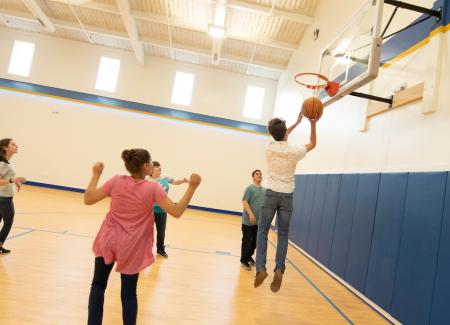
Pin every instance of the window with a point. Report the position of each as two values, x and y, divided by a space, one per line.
182 89
254 102
21 57
108 72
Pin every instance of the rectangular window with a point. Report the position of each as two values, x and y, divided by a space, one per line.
254 102
182 88
108 73
21 58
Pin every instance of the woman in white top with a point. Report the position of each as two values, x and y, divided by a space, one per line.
8 181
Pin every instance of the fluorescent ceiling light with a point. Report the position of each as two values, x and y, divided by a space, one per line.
219 15
216 31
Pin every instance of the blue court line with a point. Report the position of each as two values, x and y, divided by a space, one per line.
317 288
65 232
21 234
222 253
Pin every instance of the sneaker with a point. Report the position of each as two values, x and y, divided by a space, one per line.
162 252
259 278
252 262
276 282
4 251
246 265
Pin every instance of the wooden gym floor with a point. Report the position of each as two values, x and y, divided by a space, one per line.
46 278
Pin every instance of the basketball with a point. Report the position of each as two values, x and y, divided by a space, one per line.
312 107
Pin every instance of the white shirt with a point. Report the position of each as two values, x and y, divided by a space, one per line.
7 172
282 158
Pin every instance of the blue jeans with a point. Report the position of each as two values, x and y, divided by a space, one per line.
281 203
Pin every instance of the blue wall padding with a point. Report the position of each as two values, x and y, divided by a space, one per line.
362 228
343 226
316 214
307 209
301 182
386 239
419 247
328 219
387 235
440 308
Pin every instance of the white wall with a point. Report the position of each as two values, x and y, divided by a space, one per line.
73 65
400 140
60 140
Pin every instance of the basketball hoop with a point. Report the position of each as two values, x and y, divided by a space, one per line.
316 82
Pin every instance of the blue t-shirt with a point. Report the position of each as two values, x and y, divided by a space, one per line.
164 182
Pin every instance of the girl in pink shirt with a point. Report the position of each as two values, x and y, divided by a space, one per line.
126 235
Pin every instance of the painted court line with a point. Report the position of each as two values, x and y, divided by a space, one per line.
316 288
21 234
222 253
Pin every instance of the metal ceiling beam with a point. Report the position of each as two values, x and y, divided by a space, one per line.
130 25
39 15
151 41
242 5
182 23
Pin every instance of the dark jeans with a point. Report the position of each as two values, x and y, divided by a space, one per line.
248 242
7 215
280 203
160 221
97 295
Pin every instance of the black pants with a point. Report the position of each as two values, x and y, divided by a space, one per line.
249 234
97 295
7 215
160 221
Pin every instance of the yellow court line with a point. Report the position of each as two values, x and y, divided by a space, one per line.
435 32
130 110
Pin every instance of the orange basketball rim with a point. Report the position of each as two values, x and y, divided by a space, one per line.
304 79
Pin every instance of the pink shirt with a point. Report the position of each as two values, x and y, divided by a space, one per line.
126 235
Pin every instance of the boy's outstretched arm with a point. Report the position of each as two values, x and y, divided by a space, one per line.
313 136
293 126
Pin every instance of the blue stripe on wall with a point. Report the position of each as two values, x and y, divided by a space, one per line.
401 42
390 237
134 106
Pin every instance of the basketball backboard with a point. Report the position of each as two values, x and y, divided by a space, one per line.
353 58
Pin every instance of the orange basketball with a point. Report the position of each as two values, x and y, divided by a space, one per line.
312 107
